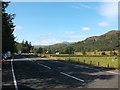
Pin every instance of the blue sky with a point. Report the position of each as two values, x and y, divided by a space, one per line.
46 23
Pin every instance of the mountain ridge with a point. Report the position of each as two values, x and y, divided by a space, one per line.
107 41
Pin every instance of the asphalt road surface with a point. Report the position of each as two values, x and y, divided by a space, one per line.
34 73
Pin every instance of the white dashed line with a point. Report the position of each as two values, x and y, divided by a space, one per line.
44 66
14 79
72 77
38 63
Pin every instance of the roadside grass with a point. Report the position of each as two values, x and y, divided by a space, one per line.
108 62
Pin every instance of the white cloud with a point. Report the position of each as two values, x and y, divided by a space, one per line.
85 6
18 27
71 32
109 10
86 28
46 42
81 6
103 24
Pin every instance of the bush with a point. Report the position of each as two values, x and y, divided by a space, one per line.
84 53
103 53
114 53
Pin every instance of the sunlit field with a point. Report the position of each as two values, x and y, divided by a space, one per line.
109 62
95 60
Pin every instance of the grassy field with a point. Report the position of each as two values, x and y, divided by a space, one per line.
95 60
95 53
108 62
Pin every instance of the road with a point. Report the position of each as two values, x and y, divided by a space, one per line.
34 73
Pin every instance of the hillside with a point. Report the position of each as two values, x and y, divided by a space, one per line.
59 46
107 41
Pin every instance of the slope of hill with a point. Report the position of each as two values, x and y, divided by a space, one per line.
67 43
107 41
59 47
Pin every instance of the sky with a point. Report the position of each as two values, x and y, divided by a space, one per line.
47 23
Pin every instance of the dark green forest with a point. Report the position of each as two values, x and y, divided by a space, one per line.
25 47
8 39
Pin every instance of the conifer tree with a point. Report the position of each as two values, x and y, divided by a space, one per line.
8 39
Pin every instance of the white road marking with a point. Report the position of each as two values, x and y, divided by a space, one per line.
44 66
14 79
112 72
72 77
38 63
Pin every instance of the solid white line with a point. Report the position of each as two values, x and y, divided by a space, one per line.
44 66
72 77
14 79
113 72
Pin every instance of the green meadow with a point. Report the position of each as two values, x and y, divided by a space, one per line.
108 62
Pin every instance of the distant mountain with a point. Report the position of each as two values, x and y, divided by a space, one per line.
38 46
68 43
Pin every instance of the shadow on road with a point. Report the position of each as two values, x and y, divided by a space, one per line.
20 87
23 56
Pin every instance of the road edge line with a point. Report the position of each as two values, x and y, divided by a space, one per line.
113 72
14 79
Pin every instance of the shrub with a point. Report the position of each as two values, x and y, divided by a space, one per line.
103 53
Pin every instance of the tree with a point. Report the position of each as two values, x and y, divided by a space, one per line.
69 50
114 53
111 53
40 50
8 39
84 52
103 53
25 47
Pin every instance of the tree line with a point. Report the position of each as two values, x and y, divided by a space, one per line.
8 39
25 46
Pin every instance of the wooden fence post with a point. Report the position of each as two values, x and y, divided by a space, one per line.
69 59
98 63
90 62
84 61
108 65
